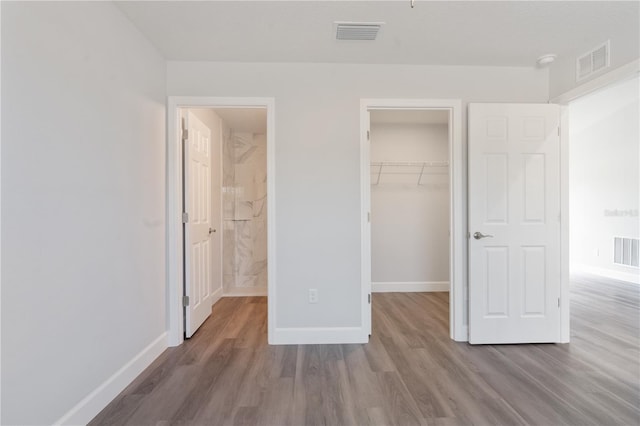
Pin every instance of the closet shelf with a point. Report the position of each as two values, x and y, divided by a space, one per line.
410 168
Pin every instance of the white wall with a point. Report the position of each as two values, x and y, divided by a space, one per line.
410 222
317 132
83 204
604 162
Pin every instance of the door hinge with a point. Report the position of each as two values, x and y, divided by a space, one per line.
185 301
185 131
368 135
369 298
558 131
368 216
558 302
185 217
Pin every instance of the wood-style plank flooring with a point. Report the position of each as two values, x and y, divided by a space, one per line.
410 373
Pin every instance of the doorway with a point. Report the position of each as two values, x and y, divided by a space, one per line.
417 173
225 206
409 200
603 182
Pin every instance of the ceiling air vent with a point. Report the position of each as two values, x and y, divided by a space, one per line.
357 30
593 61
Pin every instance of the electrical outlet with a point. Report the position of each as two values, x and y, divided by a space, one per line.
313 295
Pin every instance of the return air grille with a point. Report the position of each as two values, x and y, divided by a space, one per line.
626 251
593 61
357 30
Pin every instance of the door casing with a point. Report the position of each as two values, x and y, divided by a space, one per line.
457 218
175 251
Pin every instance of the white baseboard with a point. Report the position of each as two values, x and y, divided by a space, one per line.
629 277
409 286
101 396
216 296
317 336
248 292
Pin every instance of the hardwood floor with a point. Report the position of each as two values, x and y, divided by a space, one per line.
409 373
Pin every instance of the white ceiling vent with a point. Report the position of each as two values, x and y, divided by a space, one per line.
357 30
593 61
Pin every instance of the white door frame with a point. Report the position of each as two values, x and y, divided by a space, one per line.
175 267
457 216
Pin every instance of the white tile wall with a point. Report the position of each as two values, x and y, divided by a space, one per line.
245 212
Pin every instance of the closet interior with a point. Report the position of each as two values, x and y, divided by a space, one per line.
410 200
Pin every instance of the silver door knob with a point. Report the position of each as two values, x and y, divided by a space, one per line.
211 231
480 235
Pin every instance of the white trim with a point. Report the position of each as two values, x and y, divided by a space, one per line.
565 314
630 277
614 76
174 205
409 286
250 292
464 331
0 227
458 246
319 336
365 214
100 397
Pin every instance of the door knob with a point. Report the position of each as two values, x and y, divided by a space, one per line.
211 231
480 235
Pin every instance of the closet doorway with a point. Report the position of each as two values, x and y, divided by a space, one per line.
413 239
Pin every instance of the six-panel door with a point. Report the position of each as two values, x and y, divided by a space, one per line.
514 202
197 182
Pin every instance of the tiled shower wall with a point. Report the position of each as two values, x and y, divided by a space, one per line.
245 212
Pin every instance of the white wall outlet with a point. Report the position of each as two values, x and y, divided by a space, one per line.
313 295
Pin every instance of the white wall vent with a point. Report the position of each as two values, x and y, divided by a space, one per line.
626 251
357 30
593 61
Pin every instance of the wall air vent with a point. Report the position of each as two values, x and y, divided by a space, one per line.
593 61
626 251
357 30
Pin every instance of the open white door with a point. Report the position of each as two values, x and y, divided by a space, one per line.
198 223
514 223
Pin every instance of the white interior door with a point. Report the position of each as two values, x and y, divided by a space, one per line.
198 226
514 223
